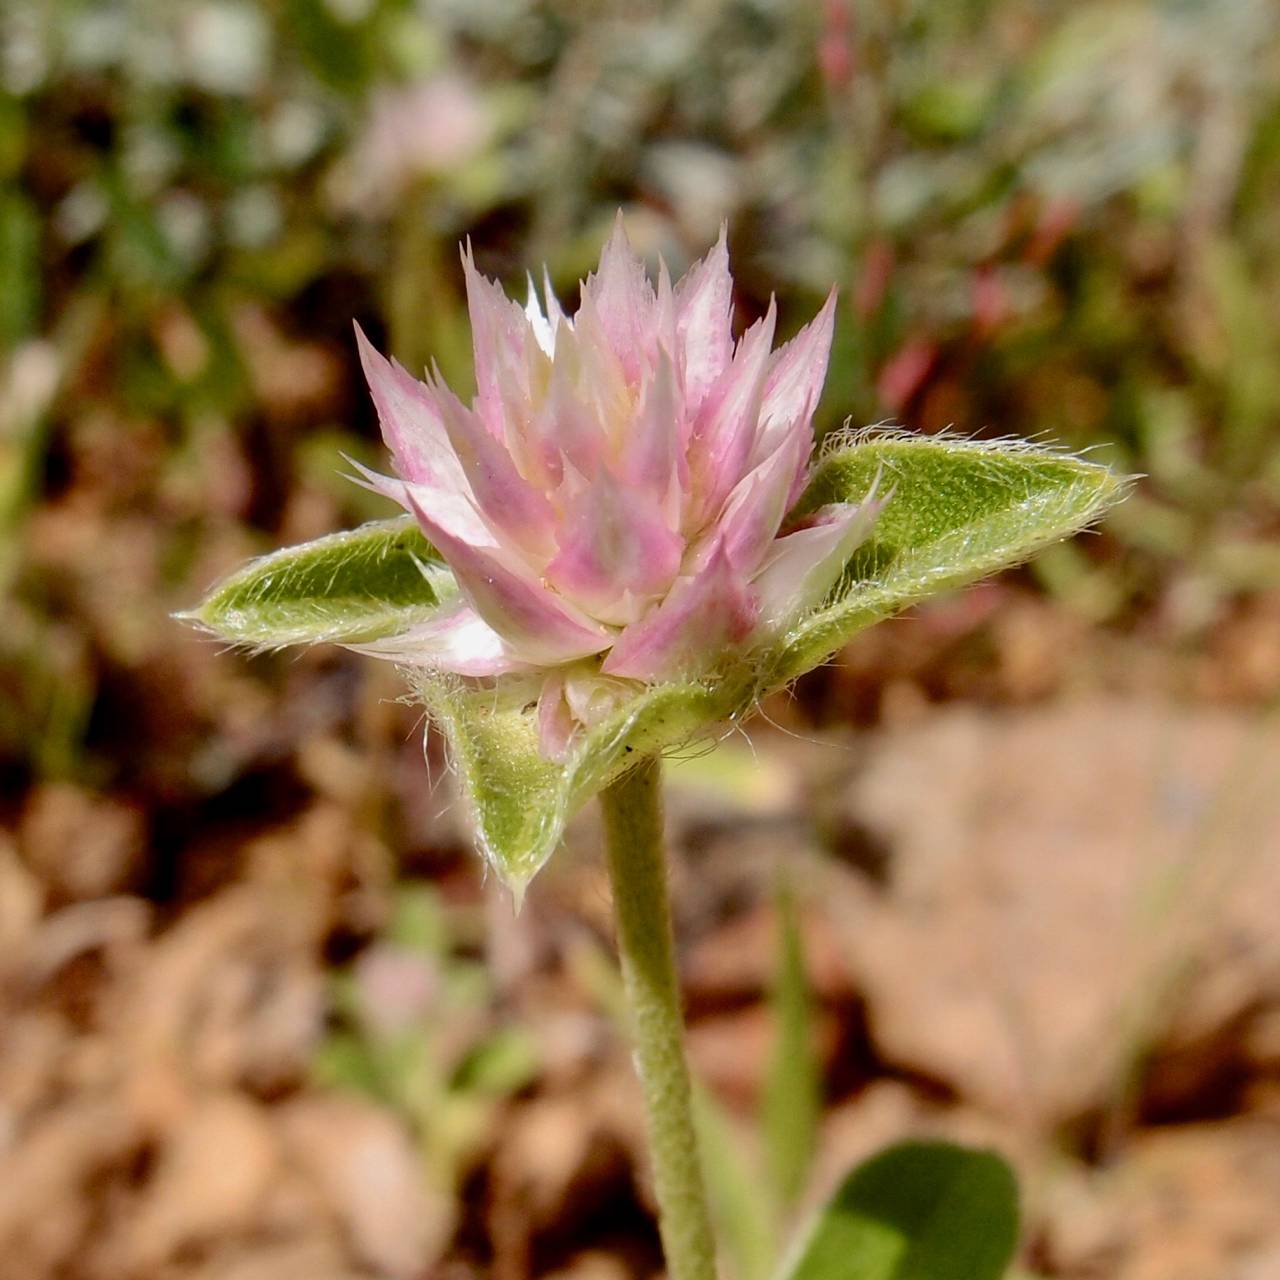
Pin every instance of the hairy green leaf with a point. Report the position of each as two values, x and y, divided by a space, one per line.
961 509
917 1211
518 800
371 582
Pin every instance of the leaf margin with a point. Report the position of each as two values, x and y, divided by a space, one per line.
816 637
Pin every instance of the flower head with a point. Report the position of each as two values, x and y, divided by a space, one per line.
612 503
434 127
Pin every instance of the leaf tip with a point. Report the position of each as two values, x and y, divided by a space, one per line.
517 887
196 617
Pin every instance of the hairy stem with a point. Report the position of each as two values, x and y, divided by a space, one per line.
637 871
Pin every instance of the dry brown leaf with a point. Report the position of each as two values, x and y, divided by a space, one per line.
213 1172
1052 872
46 1207
81 845
371 1179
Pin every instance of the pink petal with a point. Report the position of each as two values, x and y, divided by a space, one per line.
459 641
504 497
624 300
500 335
793 384
411 422
703 303
570 427
725 429
538 625
754 510
556 725
665 336
702 617
805 565
602 378
653 460
613 542
455 511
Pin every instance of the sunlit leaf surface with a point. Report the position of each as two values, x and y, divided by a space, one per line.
960 510
373 581
918 1211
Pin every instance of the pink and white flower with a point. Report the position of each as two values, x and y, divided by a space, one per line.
433 128
612 503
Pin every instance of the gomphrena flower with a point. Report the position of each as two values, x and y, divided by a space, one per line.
623 541
613 504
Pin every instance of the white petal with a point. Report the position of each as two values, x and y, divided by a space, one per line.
459 641
804 566
539 323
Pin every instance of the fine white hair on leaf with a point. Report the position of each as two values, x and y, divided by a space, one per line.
886 432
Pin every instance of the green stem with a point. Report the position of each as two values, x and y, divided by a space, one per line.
637 870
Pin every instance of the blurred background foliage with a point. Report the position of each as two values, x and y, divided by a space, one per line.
1044 219
1058 220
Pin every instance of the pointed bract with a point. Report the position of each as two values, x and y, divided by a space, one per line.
653 459
453 509
755 509
497 324
457 641
690 631
624 300
503 496
725 430
540 626
794 380
411 426
703 306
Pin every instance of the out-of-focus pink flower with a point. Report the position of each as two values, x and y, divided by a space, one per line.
873 278
433 127
397 988
837 57
1057 220
611 502
989 300
904 373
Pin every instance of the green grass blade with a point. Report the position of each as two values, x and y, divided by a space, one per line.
792 1101
741 1207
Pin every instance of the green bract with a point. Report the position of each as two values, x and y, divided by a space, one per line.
347 587
959 510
